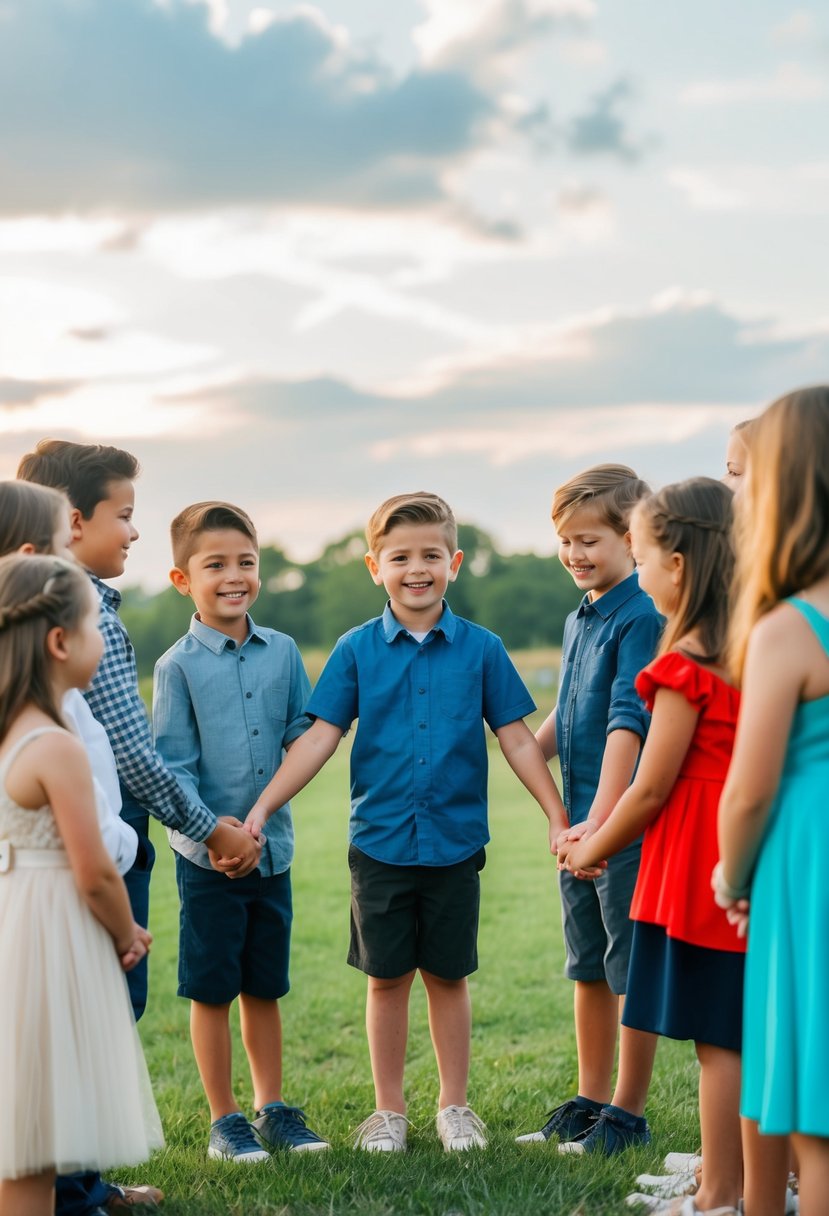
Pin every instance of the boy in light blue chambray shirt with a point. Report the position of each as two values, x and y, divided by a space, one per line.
228 700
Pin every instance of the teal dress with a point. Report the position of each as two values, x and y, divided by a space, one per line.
786 1012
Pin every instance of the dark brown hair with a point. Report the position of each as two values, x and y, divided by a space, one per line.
420 507
202 517
84 471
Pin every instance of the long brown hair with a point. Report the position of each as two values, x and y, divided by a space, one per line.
30 514
36 594
782 525
694 518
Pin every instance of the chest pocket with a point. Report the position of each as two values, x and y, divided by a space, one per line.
277 701
461 694
597 668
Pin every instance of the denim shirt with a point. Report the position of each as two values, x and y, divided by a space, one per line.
222 715
606 644
419 758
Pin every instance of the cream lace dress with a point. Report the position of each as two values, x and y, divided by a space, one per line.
74 1088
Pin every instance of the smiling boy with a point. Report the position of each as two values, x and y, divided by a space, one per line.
423 683
228 700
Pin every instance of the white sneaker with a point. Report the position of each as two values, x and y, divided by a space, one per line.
459 1129
682 1163
648 1203
383 1132
667 1186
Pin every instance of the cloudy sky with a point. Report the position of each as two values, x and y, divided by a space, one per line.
304 256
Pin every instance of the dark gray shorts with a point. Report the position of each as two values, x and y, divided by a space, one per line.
595 916
405 917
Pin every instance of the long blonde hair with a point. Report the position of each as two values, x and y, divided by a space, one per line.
782 515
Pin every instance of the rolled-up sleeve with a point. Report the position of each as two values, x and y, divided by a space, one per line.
637 643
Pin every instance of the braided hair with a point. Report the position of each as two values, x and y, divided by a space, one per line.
37 594
693 518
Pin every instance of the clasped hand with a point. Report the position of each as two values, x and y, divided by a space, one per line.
236 852
569 849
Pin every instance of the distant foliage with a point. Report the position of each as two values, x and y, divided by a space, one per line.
521 597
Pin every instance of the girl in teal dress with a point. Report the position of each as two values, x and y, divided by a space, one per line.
774 813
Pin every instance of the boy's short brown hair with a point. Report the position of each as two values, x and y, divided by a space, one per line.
420 507
84 471
202 517
612 490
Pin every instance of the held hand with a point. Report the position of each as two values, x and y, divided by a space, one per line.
556 830
737 915
138 948
725 896
232 850
576 859
255 822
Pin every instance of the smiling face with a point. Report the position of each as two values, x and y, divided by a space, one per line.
101 543
415 565
597 557
222 576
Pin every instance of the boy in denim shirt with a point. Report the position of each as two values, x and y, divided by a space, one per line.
597 730
228 698
422 683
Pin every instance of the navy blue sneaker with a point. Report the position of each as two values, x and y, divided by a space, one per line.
231 1139
281 1126
573 1118
614 1131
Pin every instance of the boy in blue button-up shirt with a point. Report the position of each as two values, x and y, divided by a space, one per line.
422 683
228 699
597 730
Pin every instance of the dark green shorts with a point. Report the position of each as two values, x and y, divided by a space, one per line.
405 917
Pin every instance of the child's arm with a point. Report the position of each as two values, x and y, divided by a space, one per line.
62 770
673 723
526 759
778 662
546 736
306 756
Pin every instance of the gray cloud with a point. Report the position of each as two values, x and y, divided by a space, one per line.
602 129
132 106
16 394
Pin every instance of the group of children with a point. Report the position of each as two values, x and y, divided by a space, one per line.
686 815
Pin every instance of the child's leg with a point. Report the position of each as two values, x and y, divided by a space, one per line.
596 1011
637 1050
387 1028
813 1161
29 1196
210 1036
450 1025
719 1118
262 1036
766 1169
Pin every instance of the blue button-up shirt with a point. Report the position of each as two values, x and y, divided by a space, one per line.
222 715
606 644
419 759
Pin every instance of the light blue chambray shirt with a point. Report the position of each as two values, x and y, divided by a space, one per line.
222 715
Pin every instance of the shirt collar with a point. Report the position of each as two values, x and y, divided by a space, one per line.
392 627
613 599
218 642
110 595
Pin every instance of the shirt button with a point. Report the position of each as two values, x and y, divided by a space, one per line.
231 645
422 725
256 732
248 695
421 761
260 771
421 691
241 658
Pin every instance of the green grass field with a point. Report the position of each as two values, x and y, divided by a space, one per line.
523 1059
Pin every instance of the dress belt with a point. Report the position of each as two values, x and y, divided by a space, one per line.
31 859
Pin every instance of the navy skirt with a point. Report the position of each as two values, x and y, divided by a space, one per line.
683 991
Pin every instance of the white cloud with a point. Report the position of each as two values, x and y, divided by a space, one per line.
465 30
800 189
791 82
800 26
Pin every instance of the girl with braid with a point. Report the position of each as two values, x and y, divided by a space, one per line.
66 931
686 966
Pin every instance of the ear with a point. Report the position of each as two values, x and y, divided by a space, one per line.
628 543
455 565
27 548
180 581
76 522
56 643
373 569
676 565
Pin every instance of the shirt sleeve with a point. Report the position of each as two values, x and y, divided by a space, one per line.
175 730
114 700
335 698
637 642
300 690
506 698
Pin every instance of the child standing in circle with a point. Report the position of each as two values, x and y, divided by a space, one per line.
66 930
774 829
686 966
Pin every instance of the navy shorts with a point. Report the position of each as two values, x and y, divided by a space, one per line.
595 915
234 934
408 917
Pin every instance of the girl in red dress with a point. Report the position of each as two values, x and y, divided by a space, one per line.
686 968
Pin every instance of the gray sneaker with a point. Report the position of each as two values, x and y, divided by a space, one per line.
232 1139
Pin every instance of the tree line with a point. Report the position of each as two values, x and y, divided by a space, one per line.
522 597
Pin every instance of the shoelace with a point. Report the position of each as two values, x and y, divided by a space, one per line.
463 1122
292 1119
238 1135
378 1127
